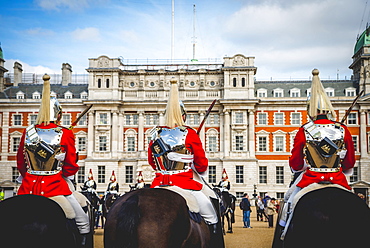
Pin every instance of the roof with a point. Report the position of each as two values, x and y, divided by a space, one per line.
363 40
339 86
29 89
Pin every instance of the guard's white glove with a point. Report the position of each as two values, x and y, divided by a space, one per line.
60 157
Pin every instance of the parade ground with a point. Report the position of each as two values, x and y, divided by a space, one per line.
260 236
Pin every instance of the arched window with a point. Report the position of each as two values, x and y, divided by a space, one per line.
107 83
243 82
234 82
99 83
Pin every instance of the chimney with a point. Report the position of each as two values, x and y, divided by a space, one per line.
66 74
17 73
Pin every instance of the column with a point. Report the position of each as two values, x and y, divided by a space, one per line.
363 135
221 140
120 132
114 134
161 118
140 145
90 134
251 136
226 133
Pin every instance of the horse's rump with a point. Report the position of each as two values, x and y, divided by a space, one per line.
328 217
152 218
34 221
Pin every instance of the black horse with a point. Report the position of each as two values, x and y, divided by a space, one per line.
227 209
156 218
37 221
327 218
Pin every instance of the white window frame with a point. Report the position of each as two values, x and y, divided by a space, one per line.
352 117
20 95
278 92
84 95
239 117
295 92
130 134
355 139
350 91
279 134
68 95
80 135
261 93
330 92
13 136
259 119
262 134
36 95
293 120
212 133
30 121
276 119
66 119
103 121
14 121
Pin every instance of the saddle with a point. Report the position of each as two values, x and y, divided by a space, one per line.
66 206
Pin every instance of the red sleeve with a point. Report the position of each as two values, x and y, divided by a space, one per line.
350 159
194 145
150 156
67 142
21 162
296 161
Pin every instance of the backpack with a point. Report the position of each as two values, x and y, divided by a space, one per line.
242 205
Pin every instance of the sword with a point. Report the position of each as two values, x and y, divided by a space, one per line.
79 117
351 107
206 115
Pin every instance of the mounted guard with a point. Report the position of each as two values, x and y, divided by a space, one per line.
47 157
323 150
177 155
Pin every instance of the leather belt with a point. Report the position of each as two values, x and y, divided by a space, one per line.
43 173
337 169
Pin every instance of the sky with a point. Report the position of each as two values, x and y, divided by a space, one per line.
288 38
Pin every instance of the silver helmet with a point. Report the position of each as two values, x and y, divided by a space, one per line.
55 109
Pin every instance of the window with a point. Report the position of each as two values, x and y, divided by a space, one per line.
239 146
36 95
129 174
279 118
15 143
66 119
216 119
262 174
243 82
279 143
354 177
102 143
295 119
352 119
330 92
15 174
355 142
350 92
83 95
83 121
192 119
130 144
262 144
107 82
239 195
103 118
151 119
212 174
262 118
239 118
212 143
81 146
278 93
32 119
234 82
261 93
17 120
239 174
81 175
68 95
295 92
280 195
20 95
99 83
101 174
279 174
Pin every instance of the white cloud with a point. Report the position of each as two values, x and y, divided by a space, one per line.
58 4
86 34
38 69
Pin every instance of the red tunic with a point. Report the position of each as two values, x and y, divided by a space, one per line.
296 161
50 185
183 179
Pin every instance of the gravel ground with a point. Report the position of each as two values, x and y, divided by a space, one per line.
260 236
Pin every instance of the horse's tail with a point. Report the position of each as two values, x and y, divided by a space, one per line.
127 219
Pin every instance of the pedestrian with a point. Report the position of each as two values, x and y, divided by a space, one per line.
245 205
271 210
260 210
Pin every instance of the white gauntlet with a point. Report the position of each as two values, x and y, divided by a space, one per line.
60 157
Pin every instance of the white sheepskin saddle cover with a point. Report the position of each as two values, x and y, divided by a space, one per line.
189 198
65 205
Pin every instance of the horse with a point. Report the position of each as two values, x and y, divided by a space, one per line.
108 202
326 218
37 221
156 218
227 209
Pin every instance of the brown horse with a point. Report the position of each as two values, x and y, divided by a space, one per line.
156 218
